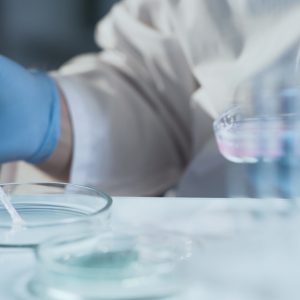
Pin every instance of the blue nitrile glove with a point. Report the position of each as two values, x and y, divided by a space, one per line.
29 114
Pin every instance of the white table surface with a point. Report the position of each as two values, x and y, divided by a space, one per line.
193 217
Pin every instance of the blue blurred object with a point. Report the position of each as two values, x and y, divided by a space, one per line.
29 114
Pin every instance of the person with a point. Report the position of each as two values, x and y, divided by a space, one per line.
136 118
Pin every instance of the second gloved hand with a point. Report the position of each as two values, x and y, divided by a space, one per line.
29 114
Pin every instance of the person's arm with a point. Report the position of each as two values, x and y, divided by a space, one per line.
130 104
125 124
59 163
29 114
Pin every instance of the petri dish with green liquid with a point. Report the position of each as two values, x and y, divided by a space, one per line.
111 266
49 210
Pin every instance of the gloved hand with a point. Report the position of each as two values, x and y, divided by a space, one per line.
29 114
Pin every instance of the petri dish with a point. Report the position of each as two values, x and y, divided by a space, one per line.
262 123
259 133
111 266
52 209
244 137
265 150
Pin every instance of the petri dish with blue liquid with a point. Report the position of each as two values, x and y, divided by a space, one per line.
111 266
49 210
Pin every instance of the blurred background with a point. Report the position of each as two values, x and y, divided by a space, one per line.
44 34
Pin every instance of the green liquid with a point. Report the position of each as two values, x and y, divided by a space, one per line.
102 260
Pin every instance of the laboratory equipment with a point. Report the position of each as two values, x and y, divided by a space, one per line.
262 131
112 266
207 219
16 219
52 209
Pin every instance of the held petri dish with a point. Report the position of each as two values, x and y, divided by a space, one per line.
111 266
52 209
263 121
244 137
260 134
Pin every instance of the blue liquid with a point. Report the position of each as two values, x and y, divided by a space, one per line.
41 213
105 267
111 260
45 221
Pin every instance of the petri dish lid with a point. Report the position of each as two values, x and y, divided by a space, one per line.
110 266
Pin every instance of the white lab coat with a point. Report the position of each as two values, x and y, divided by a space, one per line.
142 109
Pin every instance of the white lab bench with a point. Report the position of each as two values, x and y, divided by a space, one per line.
191 216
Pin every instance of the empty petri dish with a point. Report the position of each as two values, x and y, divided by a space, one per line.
111 266
52 209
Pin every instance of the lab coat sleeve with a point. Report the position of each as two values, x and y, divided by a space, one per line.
129 104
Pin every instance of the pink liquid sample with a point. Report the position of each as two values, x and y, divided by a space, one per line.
250 140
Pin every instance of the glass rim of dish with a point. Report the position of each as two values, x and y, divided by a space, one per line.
238 109
96 193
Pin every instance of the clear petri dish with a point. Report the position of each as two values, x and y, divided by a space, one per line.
52 209
263 121
260 134
111 266
244 137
